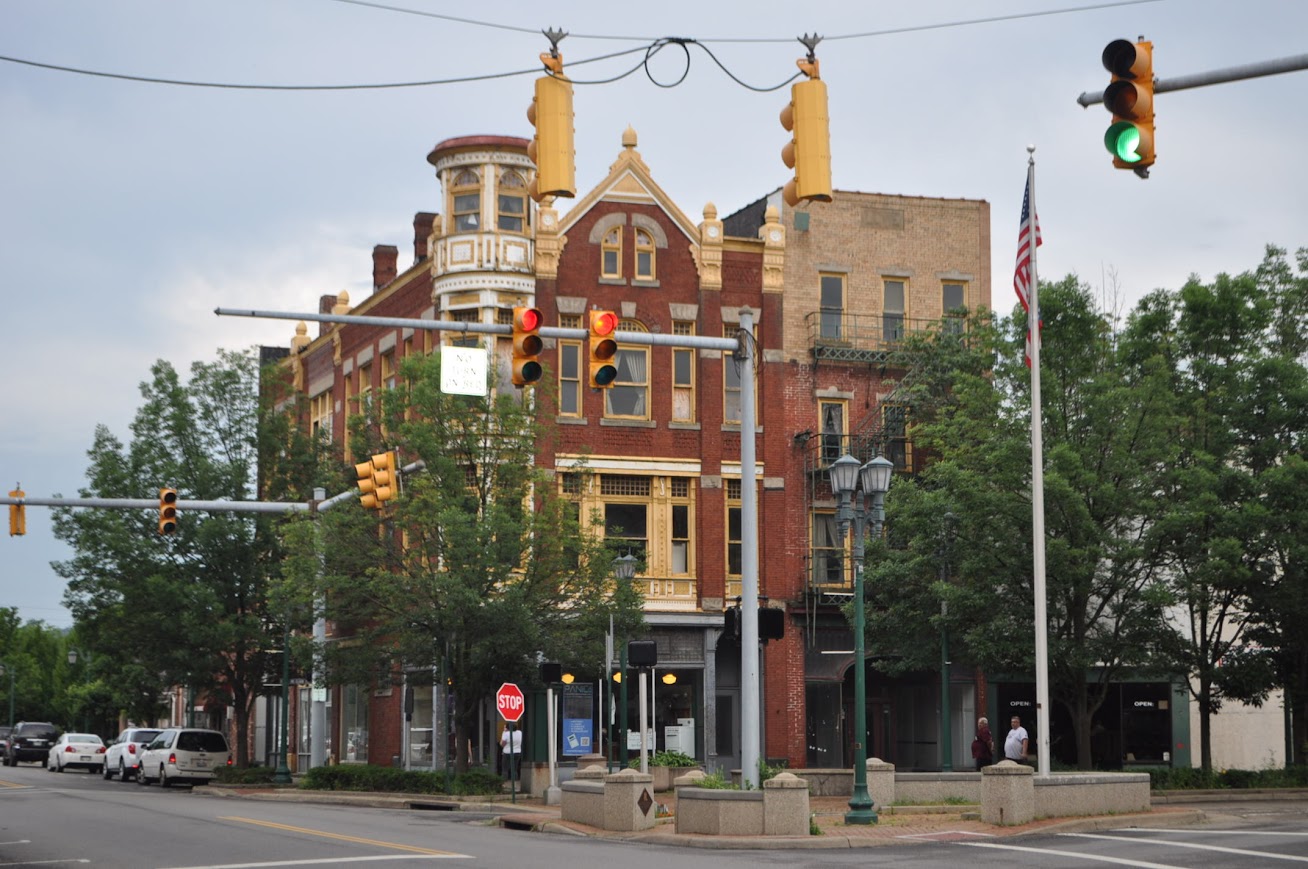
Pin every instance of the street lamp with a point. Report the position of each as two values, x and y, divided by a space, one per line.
946 743
3 667
282 775
624 568
72 659
847 479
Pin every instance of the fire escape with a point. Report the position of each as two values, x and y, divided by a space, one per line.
851 340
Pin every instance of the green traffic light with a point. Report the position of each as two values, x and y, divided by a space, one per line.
1123 141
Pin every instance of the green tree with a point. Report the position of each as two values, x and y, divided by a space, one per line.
1105 429
1273 440
191 608
478 567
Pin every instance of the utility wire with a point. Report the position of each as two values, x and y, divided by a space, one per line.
650 49
761 39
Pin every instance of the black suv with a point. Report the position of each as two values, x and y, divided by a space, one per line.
31 740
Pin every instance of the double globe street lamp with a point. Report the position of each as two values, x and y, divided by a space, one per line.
849 478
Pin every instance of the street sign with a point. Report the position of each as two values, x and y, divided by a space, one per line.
510 702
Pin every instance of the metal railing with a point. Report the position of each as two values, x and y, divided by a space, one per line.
854 337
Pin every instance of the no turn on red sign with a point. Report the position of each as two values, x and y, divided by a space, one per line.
510 702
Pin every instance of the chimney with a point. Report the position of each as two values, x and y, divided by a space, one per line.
384 257
422 224
325 304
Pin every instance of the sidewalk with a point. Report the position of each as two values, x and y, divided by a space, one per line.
896 824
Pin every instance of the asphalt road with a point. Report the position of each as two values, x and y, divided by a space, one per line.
76 818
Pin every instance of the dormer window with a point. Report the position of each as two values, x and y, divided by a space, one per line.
512 203
466 190
611 254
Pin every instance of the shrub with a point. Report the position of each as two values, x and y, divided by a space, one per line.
385 779
249 775
716 781
665 758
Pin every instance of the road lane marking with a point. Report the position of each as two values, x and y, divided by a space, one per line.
320 862
343 838
12 784
1099 858
1191 832
1243 852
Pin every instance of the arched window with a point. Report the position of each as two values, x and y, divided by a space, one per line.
644 256
511 202
611 254
466 190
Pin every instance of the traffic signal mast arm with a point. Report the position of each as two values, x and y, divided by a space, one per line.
655 339
1295 63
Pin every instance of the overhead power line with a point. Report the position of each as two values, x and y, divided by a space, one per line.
650 48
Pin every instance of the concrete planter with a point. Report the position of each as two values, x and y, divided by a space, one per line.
665 777
781 808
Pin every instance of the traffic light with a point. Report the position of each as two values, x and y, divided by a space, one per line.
1130 97
526 346
809 152
376 480
551 149
167 511
603 349
17 515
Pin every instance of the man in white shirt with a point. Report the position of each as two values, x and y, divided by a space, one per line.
511 745
1015 744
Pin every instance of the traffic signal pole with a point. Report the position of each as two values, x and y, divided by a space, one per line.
746 353
1295 63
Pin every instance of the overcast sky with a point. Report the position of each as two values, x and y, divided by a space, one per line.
130 210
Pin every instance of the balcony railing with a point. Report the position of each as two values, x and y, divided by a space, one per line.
860 337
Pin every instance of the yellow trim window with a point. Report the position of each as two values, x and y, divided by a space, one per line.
644 255
611 253
511 203
466 193
629 395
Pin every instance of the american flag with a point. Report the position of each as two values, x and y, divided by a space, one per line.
1030 226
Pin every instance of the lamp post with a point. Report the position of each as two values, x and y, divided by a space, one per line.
847 479
282 775
3 668
72 659
624 568
946 743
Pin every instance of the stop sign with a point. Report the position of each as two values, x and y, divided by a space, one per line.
510 702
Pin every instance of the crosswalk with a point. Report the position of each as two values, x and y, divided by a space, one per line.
1142 848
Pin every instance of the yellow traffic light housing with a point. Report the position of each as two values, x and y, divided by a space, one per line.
167 511
1130 97
376 480
805 117
17 514
384 477
603 349
527 345
551 149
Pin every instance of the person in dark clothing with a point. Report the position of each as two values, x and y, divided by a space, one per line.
983 747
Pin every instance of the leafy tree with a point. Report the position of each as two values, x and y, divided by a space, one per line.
477 568
1273 433
191 608
1105 431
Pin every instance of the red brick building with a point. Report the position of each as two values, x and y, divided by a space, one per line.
830 288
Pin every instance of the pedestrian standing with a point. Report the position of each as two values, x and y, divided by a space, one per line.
983 747
1016 744
511 746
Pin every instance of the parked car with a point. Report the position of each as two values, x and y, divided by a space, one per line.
123 757
30 742
76 751
183 754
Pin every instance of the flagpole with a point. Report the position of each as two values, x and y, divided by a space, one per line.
1038 494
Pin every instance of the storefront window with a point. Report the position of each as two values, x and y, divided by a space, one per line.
354 724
